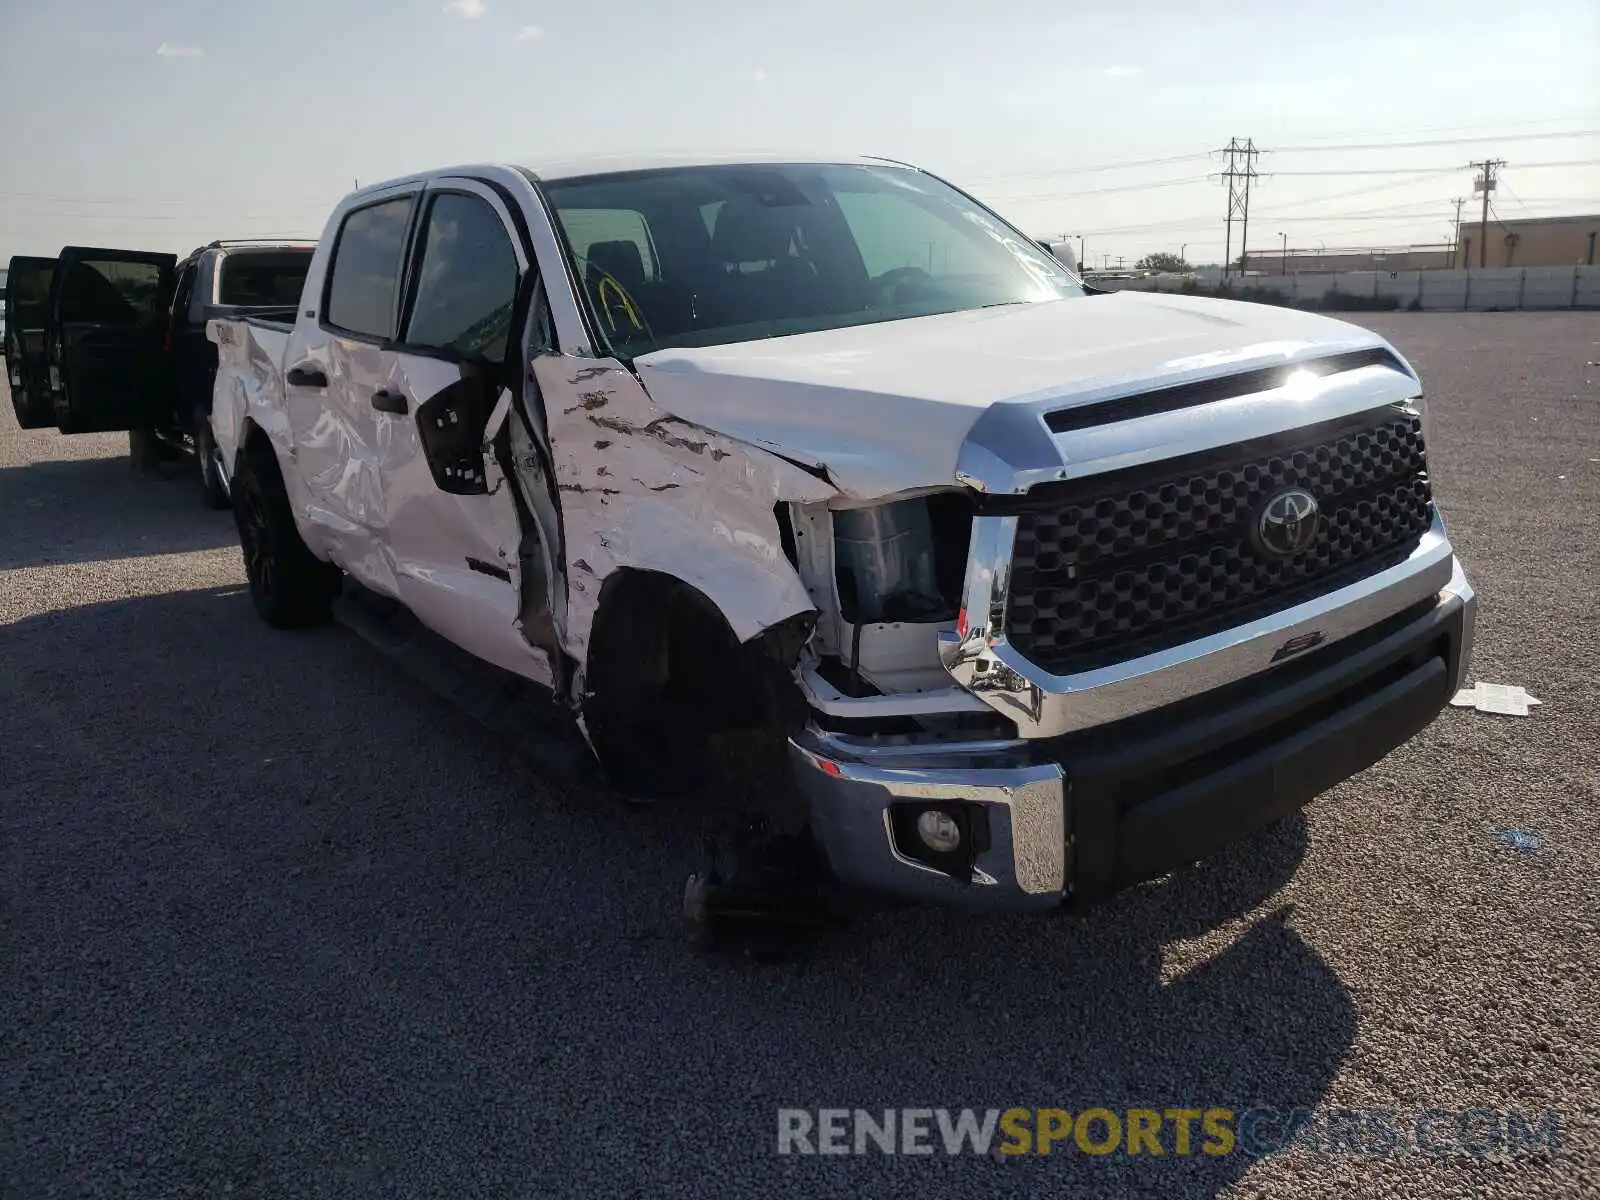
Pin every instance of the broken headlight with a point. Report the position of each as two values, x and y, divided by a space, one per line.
905 560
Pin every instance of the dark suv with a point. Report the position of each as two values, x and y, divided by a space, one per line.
107 339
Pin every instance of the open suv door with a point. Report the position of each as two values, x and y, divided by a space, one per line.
103 342
27 304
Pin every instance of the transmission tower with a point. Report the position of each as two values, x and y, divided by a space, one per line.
1241 170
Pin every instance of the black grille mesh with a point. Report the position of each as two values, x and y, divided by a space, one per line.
1155 560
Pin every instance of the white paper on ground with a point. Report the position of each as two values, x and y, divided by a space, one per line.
1499 698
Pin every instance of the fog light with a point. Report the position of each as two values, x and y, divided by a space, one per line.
939 831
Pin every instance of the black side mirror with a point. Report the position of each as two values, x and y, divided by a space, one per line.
451 424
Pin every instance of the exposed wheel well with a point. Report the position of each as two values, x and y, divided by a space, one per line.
254 443
662 655
647 622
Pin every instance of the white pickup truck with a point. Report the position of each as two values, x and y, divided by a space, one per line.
1047 591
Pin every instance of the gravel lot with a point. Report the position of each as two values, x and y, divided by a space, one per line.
277 922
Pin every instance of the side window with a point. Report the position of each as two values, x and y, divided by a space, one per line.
114 292
466 281
365 276
544 325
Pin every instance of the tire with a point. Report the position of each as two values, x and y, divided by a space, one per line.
213 491
144 451
290 586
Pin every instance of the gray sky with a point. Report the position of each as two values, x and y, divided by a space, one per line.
165 123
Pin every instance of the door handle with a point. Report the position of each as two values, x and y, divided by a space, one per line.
306 377
390 402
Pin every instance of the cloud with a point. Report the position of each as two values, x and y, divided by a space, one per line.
529 33
470 9
1120 72
169 50
760 76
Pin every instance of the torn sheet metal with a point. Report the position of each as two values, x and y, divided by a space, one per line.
1499 698
642 489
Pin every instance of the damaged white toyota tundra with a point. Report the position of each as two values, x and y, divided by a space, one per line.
1048 591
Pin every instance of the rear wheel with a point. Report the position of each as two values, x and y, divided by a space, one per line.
213 491
290 586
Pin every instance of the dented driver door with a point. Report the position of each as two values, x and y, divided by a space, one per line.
454 524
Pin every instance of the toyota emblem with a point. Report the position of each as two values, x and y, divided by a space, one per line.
1287 525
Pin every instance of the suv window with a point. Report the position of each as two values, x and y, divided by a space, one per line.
113 292
365 276
466 281
271 278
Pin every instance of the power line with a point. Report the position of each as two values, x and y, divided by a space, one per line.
1369 171
1095 168
1583 116
1109 191
1517 198
1360 191
1459 141
1577 162
1398 214
301 202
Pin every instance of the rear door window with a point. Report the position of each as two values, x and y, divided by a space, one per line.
365 277
466 282
115 292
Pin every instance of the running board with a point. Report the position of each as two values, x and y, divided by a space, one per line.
518 711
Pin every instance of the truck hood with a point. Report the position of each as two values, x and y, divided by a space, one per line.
887 407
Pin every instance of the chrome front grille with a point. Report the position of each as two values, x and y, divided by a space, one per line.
1128 563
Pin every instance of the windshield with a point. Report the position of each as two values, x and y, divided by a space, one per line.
701 256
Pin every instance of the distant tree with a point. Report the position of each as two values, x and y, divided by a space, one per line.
1162 260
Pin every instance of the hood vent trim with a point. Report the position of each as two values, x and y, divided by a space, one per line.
1210 391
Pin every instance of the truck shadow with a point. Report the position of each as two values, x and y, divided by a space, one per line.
94 509
283 848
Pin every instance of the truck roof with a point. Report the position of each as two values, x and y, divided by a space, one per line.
616 164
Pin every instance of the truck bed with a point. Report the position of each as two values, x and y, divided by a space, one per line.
250 352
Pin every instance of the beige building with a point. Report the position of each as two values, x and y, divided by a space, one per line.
1535 242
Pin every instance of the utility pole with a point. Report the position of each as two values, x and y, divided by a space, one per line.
1485 183
1285 238
1455 246
1241 170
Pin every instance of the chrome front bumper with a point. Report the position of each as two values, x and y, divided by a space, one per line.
981 658
1055 801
